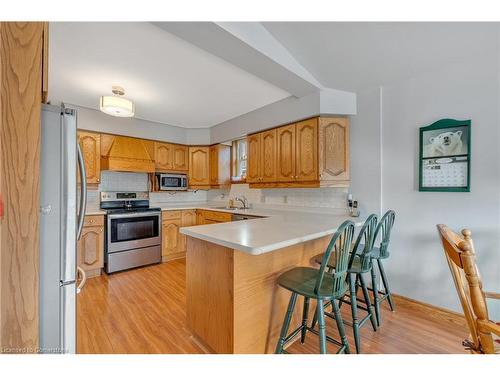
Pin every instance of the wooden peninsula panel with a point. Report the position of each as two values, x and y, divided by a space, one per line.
234 304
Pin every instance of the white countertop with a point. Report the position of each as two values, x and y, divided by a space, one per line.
278 229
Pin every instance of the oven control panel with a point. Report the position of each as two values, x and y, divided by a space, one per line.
107 196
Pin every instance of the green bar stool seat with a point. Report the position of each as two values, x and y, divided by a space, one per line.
382 238
360 263
322 286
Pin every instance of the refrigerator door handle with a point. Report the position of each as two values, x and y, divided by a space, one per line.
83 280
83 191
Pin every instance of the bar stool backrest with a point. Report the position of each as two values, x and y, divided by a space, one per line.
383 233
339 247
366 234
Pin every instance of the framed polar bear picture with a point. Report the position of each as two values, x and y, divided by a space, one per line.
445 156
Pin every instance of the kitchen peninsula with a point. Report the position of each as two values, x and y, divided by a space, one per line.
233 302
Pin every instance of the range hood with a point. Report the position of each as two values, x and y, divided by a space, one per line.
126 154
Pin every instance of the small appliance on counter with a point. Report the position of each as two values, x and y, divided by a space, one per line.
132 231
352 205
172 182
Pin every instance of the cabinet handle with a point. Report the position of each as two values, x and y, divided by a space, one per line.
101 230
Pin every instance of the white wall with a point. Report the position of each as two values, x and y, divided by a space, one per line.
366 154
90 119
464 90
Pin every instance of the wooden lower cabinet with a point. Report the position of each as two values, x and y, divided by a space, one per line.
173 242
90 252
212 217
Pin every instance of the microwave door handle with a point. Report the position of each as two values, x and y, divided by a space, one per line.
83 192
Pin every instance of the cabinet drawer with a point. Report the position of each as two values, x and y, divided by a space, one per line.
93 220
216 216
169 215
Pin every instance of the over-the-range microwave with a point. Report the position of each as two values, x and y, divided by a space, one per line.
171 181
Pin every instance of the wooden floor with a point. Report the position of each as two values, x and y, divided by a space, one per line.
143 311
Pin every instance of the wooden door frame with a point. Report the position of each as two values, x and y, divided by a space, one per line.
21 46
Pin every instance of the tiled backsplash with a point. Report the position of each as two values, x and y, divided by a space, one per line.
324 197
124 181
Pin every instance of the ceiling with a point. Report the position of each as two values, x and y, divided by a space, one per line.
170 80
353 55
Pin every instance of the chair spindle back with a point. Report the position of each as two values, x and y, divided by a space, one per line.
339 247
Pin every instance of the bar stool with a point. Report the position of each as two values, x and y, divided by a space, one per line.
360 263
318 284
379 253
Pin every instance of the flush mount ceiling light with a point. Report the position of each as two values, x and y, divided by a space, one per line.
117 105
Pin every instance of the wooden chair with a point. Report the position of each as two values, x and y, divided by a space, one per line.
459 251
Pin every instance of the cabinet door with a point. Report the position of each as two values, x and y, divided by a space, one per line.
199 166
253 158
90 143
268 156
171 237
214 165
163 156
306 167
334 149
286 153
188 218
90 248
180 157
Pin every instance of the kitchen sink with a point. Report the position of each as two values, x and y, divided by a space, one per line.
229 208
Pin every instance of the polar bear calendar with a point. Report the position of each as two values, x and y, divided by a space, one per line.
445 156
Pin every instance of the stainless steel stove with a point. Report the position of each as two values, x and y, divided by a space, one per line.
133 231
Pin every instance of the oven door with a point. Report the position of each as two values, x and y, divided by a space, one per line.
173 182
132 231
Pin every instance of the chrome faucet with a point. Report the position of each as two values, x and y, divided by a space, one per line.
243 200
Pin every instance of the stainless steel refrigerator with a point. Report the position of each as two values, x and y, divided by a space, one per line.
61 220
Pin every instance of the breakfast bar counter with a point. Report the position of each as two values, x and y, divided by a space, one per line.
233 302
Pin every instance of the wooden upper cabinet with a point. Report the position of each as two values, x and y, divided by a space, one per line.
286 149
268 159
306 152
253 157
127 154
171 157
220 165
309 153
199 167
180 158
163 156
90 144
214 168
334 150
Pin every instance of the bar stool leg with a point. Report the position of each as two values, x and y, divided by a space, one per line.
369 306
286 324
305 313
376 300
354 310
386 284
340 326
322 326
